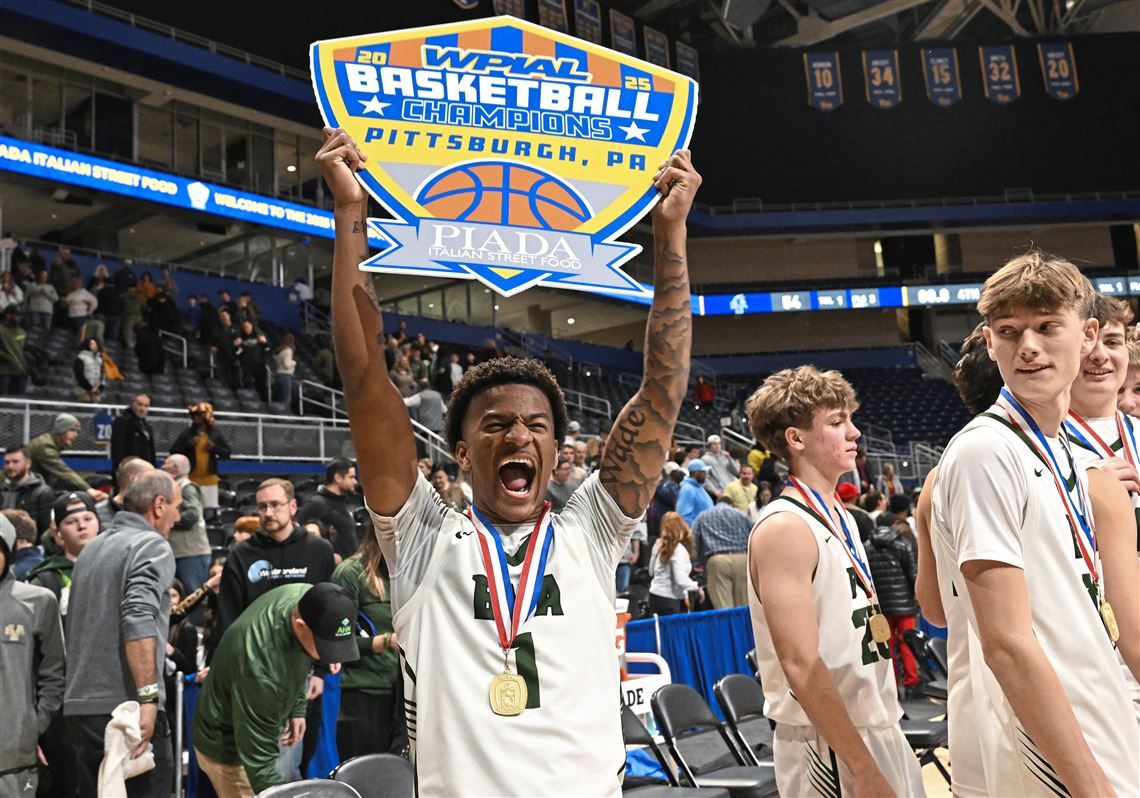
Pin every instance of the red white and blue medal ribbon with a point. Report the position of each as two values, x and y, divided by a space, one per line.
1080 429
1080 520
511 608
816 502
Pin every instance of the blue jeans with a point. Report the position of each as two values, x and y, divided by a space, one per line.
621 578
283 387
192 572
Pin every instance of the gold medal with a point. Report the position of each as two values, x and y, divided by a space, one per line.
1109 621
508 691
880 626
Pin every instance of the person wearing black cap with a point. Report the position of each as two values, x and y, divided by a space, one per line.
256 686
74 524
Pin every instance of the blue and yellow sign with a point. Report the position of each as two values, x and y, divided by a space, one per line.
656 47
943 80
1059 70
824 83
588 20
881 74
999 73
623 33
505 152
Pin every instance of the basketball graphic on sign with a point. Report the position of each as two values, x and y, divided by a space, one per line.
503 193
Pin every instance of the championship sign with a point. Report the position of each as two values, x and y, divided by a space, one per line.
999 74
506 152
1059 70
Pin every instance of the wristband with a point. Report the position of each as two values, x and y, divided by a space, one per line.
147 694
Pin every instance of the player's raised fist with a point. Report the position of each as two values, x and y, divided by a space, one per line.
339 159
677 181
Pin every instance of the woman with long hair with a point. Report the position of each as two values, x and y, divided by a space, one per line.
371 707
671 564
88 368
402 377
284 365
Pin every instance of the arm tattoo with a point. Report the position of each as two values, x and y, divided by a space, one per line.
356 228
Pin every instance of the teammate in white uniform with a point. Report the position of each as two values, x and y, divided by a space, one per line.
505 618
820 643
1106 439
1009 511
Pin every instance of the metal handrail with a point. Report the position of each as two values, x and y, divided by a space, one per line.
737 437
181 347
588 403
331 392
684 428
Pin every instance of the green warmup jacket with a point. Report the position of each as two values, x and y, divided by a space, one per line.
374 674
54 573
256 683
48 463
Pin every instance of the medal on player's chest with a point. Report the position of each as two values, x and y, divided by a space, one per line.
511 609
880 626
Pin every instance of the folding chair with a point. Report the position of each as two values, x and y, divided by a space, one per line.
635 733
310 788
377 775
741 701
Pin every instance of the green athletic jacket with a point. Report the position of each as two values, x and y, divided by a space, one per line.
374 674
256 683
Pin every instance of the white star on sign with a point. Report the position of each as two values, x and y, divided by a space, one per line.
632 131
373 106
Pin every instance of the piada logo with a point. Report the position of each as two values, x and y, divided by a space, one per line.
505 152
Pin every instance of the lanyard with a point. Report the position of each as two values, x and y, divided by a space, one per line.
506 605
816 502
1080 522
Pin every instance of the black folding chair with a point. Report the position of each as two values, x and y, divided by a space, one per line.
741 702
702 749
635 733
377 776
753 663
310 788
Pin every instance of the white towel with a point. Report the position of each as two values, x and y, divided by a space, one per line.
119 739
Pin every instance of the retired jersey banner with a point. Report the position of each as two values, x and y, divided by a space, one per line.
467 5
999 74
552 14
881 76
623 33
656 47
824 86
688 61
943 80
506 152
588 20
1059 69
516 8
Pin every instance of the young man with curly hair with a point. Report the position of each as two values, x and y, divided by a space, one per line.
821 635
503 702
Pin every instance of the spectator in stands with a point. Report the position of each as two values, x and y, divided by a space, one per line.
25 490
27 554
247 309
693 499
33 669
848 494
48 463
721 537
723 467
303 290
330 505
424 465
208 321
244 527
132 317
862 470
580 461
630 557
449 492
893 558
577 475
886 484
80 303
319 529
371 719
204 445
875 503
253 352
257 679
597 444
149 349
181 650
742 490
325 365
62 272
902 507
703 393
284 365
560 487
118 623
74 524
763 497
402 378
131 433
188 535
226 345
689 453
110 307
146 288
125 277
573 430
88 368
428 408
664 497
455 369
228 305
41 297
162 313
13 362
671 566
10 292
167 282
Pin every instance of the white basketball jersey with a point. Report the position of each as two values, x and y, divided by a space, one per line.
568 739
860 667
996 500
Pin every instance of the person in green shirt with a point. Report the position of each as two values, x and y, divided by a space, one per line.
371 718
256 686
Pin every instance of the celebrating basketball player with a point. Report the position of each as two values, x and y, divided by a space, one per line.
1011 515
505 615
821 637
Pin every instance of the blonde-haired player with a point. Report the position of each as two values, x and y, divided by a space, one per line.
1128 398
1010 511
821 639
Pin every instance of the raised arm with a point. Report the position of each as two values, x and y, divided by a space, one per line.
1116 538
381 429
639 440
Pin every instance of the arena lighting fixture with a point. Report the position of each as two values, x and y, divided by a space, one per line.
587 374
570 320
290 168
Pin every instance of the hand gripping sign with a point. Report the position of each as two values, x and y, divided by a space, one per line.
506 152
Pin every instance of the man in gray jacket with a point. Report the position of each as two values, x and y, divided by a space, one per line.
188 536
117 629
31 670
